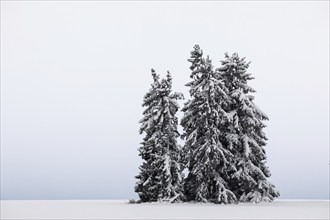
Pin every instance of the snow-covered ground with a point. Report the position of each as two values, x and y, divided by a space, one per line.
119 209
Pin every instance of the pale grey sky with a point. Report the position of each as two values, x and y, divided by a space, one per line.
73 75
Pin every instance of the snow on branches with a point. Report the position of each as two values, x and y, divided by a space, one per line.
223 138
160 177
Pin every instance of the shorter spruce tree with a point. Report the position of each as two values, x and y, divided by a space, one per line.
160 177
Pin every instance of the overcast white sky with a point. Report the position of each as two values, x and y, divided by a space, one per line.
73 75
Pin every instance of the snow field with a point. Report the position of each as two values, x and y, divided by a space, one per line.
120 209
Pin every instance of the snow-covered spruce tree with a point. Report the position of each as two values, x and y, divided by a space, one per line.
205 153
160 177
245 134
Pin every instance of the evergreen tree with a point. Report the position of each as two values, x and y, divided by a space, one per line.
205 153
245 134
160 174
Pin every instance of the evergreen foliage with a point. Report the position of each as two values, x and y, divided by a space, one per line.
160 177
223 132
245 134
208 160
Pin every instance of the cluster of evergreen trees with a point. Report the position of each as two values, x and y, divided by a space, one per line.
223 133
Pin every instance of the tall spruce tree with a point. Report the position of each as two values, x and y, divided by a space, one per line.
245 134
207 157
160 177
